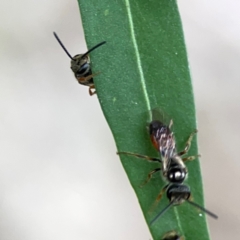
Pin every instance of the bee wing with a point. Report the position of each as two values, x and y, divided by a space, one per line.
162 136
159 115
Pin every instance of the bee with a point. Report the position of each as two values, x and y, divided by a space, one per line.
172 235
80 65
172 164
172 167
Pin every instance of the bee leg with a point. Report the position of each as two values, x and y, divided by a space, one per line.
159 197
82 80
141 156
92 92
170 124
150 176
87 78
190 158
188 143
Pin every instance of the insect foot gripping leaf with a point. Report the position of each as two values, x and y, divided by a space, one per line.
80 65
145 66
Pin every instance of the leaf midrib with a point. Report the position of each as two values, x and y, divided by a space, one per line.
142 78
139 63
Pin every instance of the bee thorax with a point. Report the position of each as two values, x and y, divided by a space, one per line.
176 174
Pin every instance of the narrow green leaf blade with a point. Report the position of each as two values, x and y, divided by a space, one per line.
144 66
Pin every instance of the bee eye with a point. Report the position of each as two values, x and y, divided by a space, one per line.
83 69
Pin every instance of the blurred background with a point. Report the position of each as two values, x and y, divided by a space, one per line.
60 177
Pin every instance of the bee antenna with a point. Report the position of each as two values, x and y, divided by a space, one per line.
203 209
59 41
90 50
162 212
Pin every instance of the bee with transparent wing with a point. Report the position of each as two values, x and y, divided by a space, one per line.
172 166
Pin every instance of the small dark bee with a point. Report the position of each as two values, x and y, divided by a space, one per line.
172 164
80 65
173 168
172 235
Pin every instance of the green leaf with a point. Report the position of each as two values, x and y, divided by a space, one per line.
144 66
